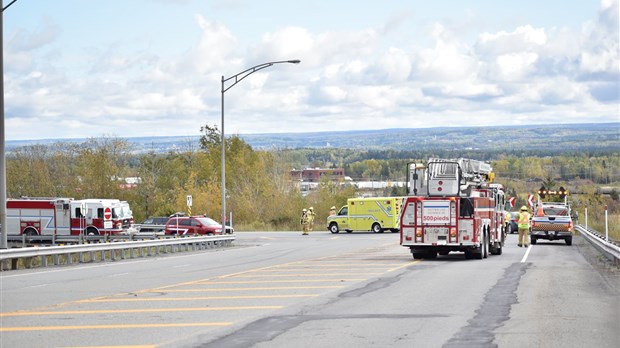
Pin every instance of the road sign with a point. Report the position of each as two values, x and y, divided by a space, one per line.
512 201
189 200
530 200
107 213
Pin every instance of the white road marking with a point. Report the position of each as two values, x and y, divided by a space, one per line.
527 252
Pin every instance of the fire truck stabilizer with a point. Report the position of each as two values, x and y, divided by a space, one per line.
452 206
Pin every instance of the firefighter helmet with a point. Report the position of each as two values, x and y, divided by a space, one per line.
523 208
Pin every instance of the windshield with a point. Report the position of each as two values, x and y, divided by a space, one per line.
557 211
208 221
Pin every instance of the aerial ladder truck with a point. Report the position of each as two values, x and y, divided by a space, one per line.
452 206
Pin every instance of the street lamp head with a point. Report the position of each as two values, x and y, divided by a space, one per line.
294 61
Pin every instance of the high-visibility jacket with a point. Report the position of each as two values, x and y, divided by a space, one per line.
524 220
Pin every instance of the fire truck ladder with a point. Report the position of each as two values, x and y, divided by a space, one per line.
469 173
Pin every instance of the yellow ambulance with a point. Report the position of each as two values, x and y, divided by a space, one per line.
375 214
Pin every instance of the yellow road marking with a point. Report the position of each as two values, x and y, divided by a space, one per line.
194 298
405 265
340 265
148 310
117 326
323 269
253 289
141 346
299 275
285 281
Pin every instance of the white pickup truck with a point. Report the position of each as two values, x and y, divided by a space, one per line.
552 221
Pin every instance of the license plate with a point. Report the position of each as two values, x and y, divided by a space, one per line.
436 230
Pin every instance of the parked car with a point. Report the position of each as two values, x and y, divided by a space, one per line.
513 226
190 225
154 224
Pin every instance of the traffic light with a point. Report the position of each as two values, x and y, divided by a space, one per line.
542 191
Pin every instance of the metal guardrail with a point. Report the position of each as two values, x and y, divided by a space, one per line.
610 249
100 252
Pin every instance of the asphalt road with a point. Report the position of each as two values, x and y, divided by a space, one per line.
348 290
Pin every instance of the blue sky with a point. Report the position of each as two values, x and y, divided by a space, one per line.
76 68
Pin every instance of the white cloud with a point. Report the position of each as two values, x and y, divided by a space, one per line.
514 66
522 39
349 78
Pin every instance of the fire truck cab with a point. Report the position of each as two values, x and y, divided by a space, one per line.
452 207
98 217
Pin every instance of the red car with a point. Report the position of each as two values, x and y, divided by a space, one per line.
191 225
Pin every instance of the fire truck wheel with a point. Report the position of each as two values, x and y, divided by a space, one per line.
376 228
30 232
496 249
333 227
91 231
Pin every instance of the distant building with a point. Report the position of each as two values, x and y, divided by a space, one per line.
316 174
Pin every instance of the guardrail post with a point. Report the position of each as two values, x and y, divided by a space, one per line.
44 261
606 226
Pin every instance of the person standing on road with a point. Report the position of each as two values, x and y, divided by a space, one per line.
304 221
332 211
524 227
311 216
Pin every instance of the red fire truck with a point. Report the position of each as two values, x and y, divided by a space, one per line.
63 216
452 206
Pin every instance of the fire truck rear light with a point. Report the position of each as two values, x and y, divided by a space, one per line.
418 232
453 232
439 189
408 238
465 237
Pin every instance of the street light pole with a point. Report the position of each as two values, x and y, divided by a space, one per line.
3 230
235 79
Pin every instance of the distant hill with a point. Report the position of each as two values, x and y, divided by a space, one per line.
552 138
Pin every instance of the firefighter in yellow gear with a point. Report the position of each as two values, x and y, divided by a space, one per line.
304 221
332 211
311 216
524 227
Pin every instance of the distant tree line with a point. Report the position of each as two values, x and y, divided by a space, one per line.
259 189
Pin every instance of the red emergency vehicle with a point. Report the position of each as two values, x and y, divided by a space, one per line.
452 206
63 216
